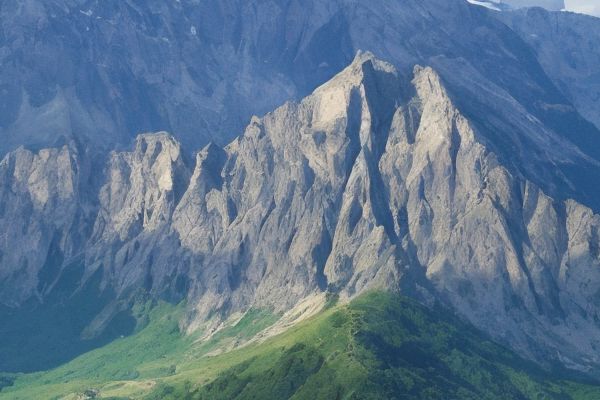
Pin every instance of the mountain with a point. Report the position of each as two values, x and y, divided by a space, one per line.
376 180
201 71
455 162
566 45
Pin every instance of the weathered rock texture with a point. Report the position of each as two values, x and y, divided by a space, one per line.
377 179
42 214
471 179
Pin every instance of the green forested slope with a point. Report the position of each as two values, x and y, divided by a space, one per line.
381 346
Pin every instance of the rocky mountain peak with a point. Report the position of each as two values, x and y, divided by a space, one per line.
366 74
396 173
378 179
48 175
463 170
143 187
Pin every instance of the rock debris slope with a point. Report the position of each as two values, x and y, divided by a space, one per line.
377 179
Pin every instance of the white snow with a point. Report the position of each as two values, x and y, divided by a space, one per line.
591 7
487 4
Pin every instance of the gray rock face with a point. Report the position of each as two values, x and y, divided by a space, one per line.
471 180
279 208
142 188
41 213
567 47
368 183
377 179
135 210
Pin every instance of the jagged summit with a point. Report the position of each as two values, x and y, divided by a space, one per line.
418 181
316 196
356 72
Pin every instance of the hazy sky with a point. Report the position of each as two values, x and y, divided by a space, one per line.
584 6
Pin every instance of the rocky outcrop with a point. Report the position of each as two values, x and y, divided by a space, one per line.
136 205
142 188
373 181
271 203
378 179
42 214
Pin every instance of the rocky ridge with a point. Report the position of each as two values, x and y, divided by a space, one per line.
43 214
377 179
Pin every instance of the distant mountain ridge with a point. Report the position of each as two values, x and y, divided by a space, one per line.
506 5
195 70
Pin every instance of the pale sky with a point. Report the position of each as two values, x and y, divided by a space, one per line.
584 6
591 7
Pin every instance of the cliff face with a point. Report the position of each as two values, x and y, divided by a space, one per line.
462 171
42 213
377 179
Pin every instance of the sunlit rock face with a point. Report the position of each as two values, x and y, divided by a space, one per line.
462 169
397 188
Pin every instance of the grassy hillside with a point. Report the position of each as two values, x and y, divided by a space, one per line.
380 346
129 367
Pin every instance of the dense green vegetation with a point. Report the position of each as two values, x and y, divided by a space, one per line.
128 366
381 346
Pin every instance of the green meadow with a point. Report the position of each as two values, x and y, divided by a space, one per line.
380 346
